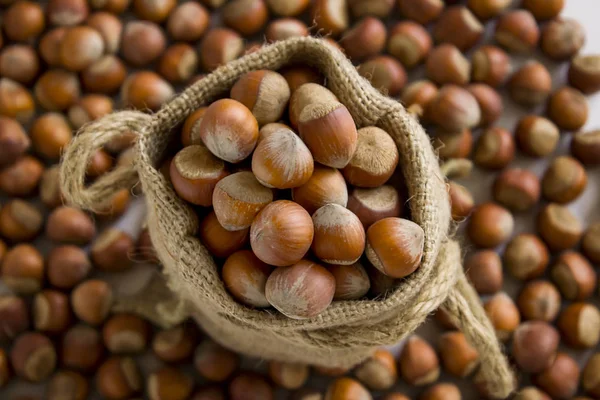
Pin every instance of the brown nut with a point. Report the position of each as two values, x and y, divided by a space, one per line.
112 249
300 291
503 314
219 46
490 225
219 241
418 363
250 386
531 393
14 318
19 62
33 357
68 225
22 177
371 205
442 391
57 90
14 142
15 101
100 164
446 64
67 12
245 277
590 245
584 73
326 185
537 136
495 149
169 383
461 201
376 8
526 257
110 28
51 311
142 42
457 25
534 346
517 189
82 348
23 21
80 47
126 334
459 358
454 109
517 31
585 146
305 95
119 378
215 363
285 28
416 96
568 108
287 375
490 65
385 74
89 108
288 8
484 270
559 228
339 236
351 281
91 301
564 180
20 221
176 344
487 9
50 133
574 276
579 325
379 371
297 76
104 76
330 16
562 38
409 42
67 266
544 9
145 90
365 39
530 85
590 376
421 11
561 379
347 388
490 102
453 144
245 16
68 384
49 46
190 134
23 269
153 10
188 22
539 300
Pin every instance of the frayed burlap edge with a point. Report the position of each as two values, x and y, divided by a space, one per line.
347 332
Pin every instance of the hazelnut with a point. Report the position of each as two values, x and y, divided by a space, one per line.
371 205
584 73
57 90
145 90
82 348
20 221
126 334
145 248
458 357
50 133
309 93
589 379
15 101
115 206
585 146
14 142
544 9
568 109
49 188
446 64
517 189
531 393
487 9
175 344
579 324
457 25
245 16
418 363
504 315
288 8
395 246
495 149
219 241
365 39
574 276
526 257
104 76
19 62
23 269
564 180
22 177
187 22
119 378
69 385
169 383
100 163
285 28
194 173
300 291
339 236
561 379
325 186
562 38
111 250
590 245
5 373
67 12
376 8
490 225
347 388
33 357
219 46
422 12
49 46
517 31
288 375
91 301
51 311
559 228
299 75
385 74
379 371
215 363
80 47
351 281
89 108
271 128
537 136
14 318
489 101
109 27
381 284
153 10
250 386
190 134
450 144
417 96
67 266
454 109
484 270
539 300
534 346
69 225
142 42
490 65
441 391
24 21
530 85
330 16
409 42
245 277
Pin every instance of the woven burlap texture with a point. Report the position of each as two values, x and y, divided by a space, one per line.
348 331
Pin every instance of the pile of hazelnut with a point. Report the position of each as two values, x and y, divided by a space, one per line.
292 209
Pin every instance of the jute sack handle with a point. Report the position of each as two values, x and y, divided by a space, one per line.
344 326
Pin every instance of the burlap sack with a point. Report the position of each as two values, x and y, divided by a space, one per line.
348 331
